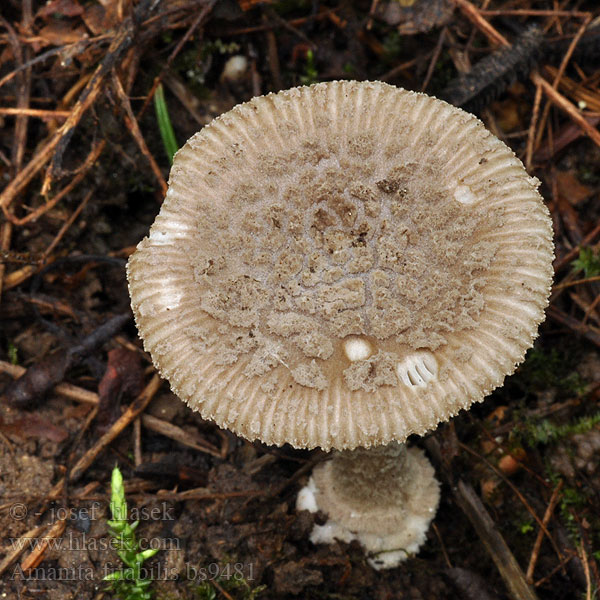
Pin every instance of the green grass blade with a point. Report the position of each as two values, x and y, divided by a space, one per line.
164 123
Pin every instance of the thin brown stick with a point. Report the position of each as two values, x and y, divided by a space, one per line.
89 162
73 49
22 120
587 331
35 557
137 442
273 57
55 146
531 12
474 15
66 226
35 112
5 159
5 237
561 102
517 493
133 410
561 286
569 256
321 15
68 390
578 92
18 277
560 567
585 305
195 24
558 77
136 133
206 494
591 310
434 58
220 589
569 53
372 12
532 126
494 543
393 72
19 546
540 536
442 545
179 435
23 87
586 570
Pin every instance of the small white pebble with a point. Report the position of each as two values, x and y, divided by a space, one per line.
234 69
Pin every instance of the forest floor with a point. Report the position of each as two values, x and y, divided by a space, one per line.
83 170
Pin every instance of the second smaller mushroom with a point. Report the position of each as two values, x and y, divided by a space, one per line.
384 497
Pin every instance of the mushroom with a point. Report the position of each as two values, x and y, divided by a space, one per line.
384 497
341 266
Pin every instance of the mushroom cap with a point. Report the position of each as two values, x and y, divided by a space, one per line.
342 265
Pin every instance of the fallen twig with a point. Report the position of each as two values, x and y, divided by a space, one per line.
57 144
179 435
133 410
471 505
587 331
540 536
35 557
50 371
494 543
474 15
136 133
559 100
19 546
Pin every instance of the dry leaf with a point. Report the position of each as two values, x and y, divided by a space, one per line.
571 189
57 33
66 8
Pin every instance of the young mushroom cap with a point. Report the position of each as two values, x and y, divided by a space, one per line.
342 265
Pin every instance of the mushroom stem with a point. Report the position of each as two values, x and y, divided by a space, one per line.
384 497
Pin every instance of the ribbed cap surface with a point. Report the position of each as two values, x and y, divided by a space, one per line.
342 265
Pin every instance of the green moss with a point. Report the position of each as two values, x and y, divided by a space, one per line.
534 433
543 369
392 46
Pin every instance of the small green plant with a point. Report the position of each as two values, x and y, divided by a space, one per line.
588 261
164 123
349 68
13 357
128 583
311 75
392 46
526 527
